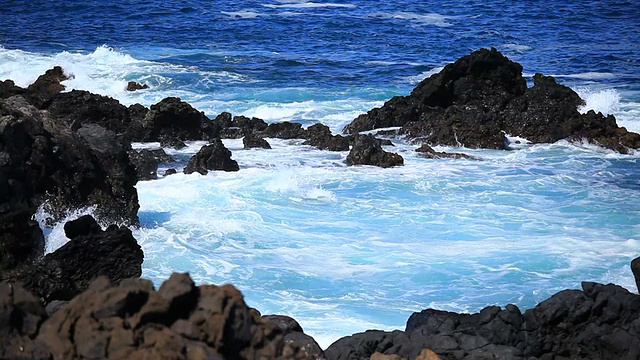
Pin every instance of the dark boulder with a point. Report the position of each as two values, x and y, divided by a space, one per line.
481 96
90 253
635 269
170 172
295 336
146 162
46 87
133 86
366 150
211 157
8 88
235 127
284 130
21 239
320 136
173 143
428 152
173 119
44 161
251 141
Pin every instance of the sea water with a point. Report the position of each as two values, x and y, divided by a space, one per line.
345 249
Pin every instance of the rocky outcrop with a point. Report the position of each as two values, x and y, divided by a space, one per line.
635 269
599 322
44 161
235 127
284 130
133 86
295 336
146 162
428 152
473 101
366 150
21 239
133 321
211 157
90 253
252 141
320 136
48 85
174 119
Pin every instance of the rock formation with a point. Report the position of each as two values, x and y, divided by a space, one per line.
252 141
133 321
478 98
146 162
211 157
320 136
366 150
428 152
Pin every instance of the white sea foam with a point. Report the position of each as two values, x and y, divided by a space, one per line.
305 5
246 14
418 18
516 47
54 234
606 101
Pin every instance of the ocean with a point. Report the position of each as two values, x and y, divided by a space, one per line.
345 249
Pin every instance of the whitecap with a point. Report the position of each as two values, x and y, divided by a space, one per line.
305 5
606 101
421 19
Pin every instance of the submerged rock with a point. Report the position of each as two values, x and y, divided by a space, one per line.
428 152
133 321
252 141
211 157
133 86
320 136
474 100
146 162
367 150
284 130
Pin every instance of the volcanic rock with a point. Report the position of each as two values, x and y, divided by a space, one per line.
481 96
211 157
428 152
132 321
320 136
172 119
21 239
366 150
133 86
44 161
251 141
599 322
8 88
635 269
284 130
46 87
146 162
294 335
90 253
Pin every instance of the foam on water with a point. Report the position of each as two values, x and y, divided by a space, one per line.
344 249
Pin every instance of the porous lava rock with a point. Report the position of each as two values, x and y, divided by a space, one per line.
214 156
252 141
131 320
46 87
367 150
428 152
146 162
174 119
134 86
474 101
597 322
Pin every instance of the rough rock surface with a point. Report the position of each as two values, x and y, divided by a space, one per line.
252 141
44 161
146 162
284 130
211 157
46 87
366 150
21 239
599 322
473 101
294 335
172 119
320 136
133 86
90 253
635 269
428 152
132 321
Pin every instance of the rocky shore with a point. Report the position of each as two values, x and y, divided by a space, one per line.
62 151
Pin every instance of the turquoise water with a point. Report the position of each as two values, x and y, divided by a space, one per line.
344 249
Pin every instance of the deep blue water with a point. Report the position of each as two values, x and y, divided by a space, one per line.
346 249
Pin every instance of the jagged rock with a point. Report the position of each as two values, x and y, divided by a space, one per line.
132 321
320 136
284 130
599 322
46 87
146 162
473 101
428 152
211 157
170 172
366 150
44 161
294 335
21 239
90 253
173 143
251 141
8 88
133 86
173 119
635 269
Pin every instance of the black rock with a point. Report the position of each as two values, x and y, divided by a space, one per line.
173 143
48 85
170 172
252 141
21 239
635 269
428 152
320 136
84 225
133 86
146 162
366 150
211 157
284 130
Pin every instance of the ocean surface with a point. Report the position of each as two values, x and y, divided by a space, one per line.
345 249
